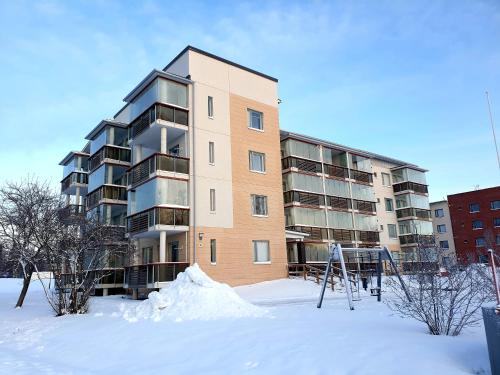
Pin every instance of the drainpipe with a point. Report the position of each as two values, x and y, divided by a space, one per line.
192 157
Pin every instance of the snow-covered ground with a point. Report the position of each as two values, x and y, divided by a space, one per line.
293 337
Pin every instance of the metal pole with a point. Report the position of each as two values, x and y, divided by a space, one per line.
493 128
327 272
494 272
393 265
346 280
379 277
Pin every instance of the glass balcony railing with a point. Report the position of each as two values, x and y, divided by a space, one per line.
309 199
109 152
74 178
364 206
301 164
413 212
367 236
116 193
158 112
361 176
157 162
336 171
410 186
158 216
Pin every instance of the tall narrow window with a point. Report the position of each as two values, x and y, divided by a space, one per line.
212 200
213 251
211 153
259 205
210 106
391 228
257 161
261 252
255 120
386 179
389 206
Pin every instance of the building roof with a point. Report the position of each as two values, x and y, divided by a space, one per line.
221 59
70 155
286 134
102 125
475 191
155 73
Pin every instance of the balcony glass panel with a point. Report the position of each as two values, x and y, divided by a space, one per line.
363 192
159 191
341 220
99 141
97 177
173 93
334 157
298 181
304 216
145 99
337 188
419 201
366 222
415 227
292 147
403 201
361 163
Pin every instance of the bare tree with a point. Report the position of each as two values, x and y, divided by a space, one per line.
20 213
445 301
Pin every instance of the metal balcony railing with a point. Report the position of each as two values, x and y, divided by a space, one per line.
361 176
109 152
158 215
413 212
410 186
304 198
74 178
301 164
146 275
158 112
157 162
336 171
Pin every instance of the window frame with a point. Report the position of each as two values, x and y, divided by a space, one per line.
441 244
391 204
395 237
249 124
213 251
483 244
211 153
213 204
210 103
254 252
441 210
474 204
495 222
250 152
253 200
475 221
389 178
441 226
492 206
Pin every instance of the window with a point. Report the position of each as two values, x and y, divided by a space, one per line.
386 179
495 205
480 242
147 255
255 120
259 205
210 107
444 245
498 239
261 252
213 251
477 224
211 153
389 205
391 228
174 150
496 222
257 161
483 258
474 207
439 212
441 228
212 200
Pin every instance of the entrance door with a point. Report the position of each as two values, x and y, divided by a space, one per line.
173 248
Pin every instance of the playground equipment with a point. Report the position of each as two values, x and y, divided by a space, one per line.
336 255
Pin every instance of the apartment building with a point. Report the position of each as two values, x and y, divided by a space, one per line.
191 166
475 221
443 231
334 193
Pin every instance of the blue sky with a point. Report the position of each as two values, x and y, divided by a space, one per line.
404 79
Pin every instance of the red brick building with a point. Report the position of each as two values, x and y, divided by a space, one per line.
475 219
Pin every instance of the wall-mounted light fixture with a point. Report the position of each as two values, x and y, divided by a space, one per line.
200 236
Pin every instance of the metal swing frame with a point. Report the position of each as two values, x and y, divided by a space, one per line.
336 254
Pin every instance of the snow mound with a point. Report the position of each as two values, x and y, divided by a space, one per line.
193 296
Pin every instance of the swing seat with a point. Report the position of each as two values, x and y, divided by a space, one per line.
375 292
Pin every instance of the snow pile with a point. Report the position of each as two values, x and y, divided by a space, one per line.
193 295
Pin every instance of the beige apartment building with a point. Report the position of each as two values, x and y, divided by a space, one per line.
443 231
194 168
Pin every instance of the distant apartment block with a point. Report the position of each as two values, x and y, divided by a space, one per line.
475 219
194 168
443 230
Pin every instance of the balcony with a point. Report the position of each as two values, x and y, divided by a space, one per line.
158 112
410 186
144 220
72 213
360 176
342 235
413 213
307 199
364 206
120 155
367 236
315 234
108 278
116 194
339 203
336 171
74 180
301 164
157 162
150 276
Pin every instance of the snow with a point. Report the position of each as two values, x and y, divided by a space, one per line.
294 337
193 295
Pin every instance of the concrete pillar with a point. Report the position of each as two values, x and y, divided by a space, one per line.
135 294
163 140
77 195
104 292
68 199
163 246
137 153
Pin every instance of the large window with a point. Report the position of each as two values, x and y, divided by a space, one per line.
386 179
261 252
255 120
259 205
213 251
210 106
495 205
439 212
444 245
441 228
474 207
480 242
211 153
257 161
391 228
389 205
477 224
212 200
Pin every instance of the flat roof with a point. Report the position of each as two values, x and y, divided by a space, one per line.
286 134
155 73
102 125
475 191
221 59
70 155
